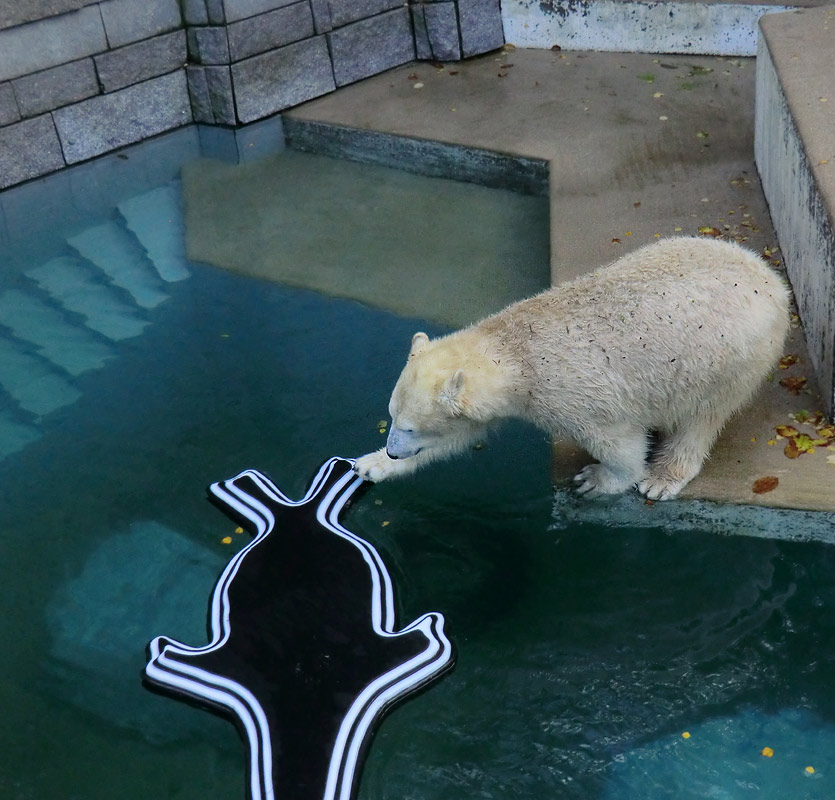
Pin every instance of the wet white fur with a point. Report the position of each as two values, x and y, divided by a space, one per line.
674 337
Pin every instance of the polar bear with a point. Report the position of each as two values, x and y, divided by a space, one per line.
671 339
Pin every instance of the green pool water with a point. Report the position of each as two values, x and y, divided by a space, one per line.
585 650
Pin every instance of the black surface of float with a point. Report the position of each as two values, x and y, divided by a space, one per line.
303 651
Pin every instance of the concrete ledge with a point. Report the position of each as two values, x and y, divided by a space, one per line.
709 28
795 155
421 156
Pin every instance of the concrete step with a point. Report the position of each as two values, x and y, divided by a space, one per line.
117 252
74 286
795 154
15 435
156 219
32 382
68 346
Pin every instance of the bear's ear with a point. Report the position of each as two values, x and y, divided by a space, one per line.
419 341
452 393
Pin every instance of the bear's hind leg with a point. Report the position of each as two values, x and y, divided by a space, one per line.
679 457
622 456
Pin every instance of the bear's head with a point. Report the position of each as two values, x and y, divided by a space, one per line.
431 405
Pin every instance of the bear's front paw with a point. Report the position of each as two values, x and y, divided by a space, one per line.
376 466
595 480
660 487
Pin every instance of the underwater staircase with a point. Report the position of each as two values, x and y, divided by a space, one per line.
66 316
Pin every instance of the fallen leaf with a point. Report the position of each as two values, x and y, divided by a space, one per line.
766 484
787 361
615 241
787 431
794 384
649 77
804 443
707 230
791 450
412 77
827 432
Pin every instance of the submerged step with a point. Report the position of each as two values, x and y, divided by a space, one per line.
117 253
33 384
69 283
66 345
14 435
156 218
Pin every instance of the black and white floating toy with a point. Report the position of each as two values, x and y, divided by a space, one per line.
304 654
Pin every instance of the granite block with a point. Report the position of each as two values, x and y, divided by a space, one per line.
56 87
241 9
9 111
210 89
268 31
442 31
141 61
343 12
15 12
221 95
423 49
194 12
282 78
481 26
110 121
208 45
371 46
50 42
322 20
214 8
127 21
198 92
244 144
28 149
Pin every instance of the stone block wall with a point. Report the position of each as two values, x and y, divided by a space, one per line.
87 80
79 78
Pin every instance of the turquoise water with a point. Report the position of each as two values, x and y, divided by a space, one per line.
584 651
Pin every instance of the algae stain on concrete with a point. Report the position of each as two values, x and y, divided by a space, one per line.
436 249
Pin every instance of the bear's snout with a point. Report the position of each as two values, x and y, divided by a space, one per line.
401 444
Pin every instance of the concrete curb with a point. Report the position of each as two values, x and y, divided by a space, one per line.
795 155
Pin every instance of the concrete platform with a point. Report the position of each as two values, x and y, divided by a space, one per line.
638 146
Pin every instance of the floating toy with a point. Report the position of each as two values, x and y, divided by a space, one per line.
303 651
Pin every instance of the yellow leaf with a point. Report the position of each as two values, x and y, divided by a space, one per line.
767 752
786 431
226 540
707 230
